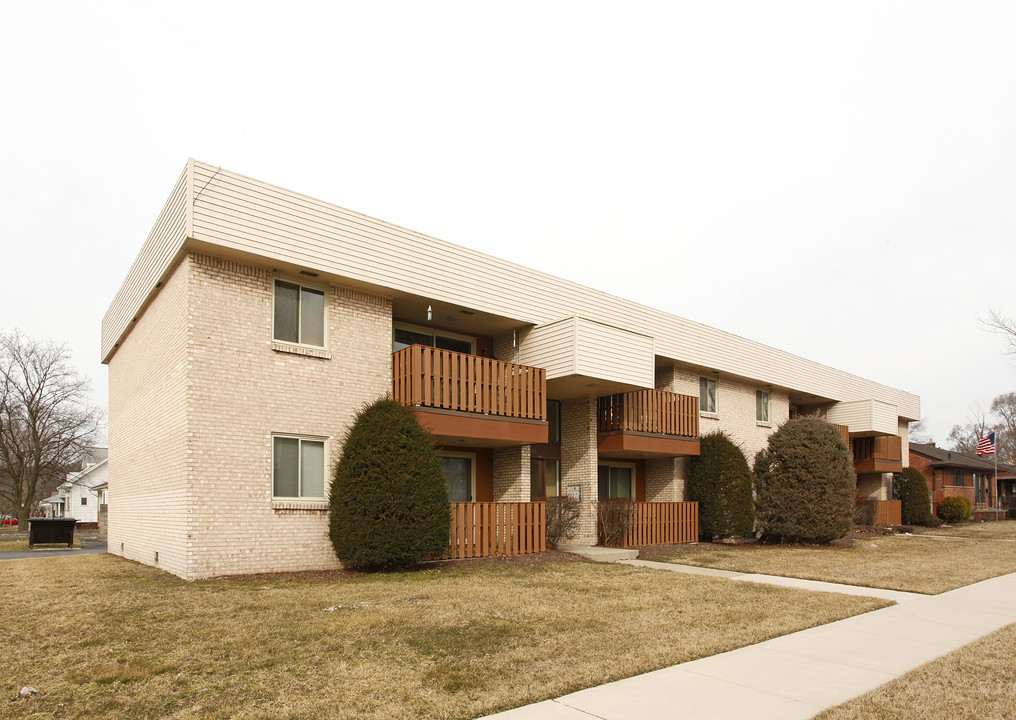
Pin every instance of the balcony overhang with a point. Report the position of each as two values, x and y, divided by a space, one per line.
466 429
878 466
633 444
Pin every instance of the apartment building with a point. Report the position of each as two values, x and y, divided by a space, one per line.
255 322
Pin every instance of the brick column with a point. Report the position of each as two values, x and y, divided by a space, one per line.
511 474
665 479
579 462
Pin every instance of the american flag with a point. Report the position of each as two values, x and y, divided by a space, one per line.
986 445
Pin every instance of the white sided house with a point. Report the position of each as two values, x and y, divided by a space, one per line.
255 322
82 491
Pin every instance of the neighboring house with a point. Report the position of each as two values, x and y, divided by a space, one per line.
955 474
1006 485
255 323
79 494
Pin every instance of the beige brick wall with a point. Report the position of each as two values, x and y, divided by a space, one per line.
244 391
196 393
579 461
149 452
511 474
735 408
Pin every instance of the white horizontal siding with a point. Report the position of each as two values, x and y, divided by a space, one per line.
866 416
250 216
163 243
611 353
551 347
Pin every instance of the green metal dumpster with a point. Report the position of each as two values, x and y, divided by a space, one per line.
50 530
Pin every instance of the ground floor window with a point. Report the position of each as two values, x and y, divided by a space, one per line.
616 480
298 467
460 478
544 478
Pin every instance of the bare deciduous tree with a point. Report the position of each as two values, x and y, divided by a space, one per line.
1004 326
964 438
919 432
46 419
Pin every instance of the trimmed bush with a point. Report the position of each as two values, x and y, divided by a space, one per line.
911 489
804 483
719 479
954 509
562 518
389 506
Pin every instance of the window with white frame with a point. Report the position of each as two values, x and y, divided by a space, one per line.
299 315
707 395
298 467
762 406
84 501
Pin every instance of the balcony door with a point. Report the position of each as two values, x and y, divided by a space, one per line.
616 480
404 335
460 480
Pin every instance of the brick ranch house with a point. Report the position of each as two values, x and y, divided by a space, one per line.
256 321
955 474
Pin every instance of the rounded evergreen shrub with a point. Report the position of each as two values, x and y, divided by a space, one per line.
389 505
719 480
804 483
954 509
911 490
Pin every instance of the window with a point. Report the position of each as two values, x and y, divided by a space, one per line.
298 467
958 477
554 421
979 488
84 501
616 481
459 479
299 314
707 395
544 478
761 406
405 335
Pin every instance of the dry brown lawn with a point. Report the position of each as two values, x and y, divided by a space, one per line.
974 682
1000 530
914 563
99 636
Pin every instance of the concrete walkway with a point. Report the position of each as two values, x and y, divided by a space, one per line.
797 676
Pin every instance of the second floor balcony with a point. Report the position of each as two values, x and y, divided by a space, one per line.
468 400
882 453
648 423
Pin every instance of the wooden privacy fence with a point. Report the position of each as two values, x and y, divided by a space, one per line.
888 512
480 529
658 523
653 411
457 381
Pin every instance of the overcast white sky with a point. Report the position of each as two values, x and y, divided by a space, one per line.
835 179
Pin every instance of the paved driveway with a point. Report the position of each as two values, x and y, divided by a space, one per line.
88 547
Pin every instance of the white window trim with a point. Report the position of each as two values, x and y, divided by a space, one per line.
769 408
424 330
616 463
714 413
472 468
286 345
324 479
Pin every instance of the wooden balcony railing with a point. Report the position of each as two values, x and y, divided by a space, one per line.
883 447
481 529
652 411
844 433
650 523
437 378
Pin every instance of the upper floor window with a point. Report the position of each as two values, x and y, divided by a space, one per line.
707 395
298 467
762 406
299 314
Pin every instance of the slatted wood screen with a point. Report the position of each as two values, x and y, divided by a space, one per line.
480 529
438 378
883 447
662 523
653 411
889 512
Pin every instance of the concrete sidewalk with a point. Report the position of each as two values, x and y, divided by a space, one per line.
801 674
